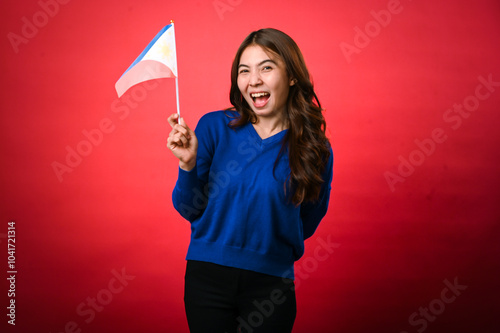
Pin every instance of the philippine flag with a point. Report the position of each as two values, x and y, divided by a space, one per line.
158 60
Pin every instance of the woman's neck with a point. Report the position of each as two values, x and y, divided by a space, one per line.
267 127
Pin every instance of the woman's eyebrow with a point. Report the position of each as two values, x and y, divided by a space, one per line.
260 63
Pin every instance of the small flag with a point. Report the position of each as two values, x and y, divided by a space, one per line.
158 60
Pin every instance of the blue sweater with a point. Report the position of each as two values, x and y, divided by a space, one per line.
240 215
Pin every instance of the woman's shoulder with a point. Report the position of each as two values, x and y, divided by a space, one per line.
217 118
213 126
220 115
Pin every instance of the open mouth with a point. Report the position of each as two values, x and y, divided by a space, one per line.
260 99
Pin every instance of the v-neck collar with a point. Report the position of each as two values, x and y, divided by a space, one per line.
273 138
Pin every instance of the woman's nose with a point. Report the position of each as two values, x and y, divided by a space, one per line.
255 79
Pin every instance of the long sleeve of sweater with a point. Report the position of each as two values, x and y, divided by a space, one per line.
312 213
190 193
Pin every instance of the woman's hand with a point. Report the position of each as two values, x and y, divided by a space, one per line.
182 142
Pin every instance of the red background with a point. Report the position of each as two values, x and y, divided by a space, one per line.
394 247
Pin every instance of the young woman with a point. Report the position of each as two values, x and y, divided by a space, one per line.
254 181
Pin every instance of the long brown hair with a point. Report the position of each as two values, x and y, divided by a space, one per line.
307 144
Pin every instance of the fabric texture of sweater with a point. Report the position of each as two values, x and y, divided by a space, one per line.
236 203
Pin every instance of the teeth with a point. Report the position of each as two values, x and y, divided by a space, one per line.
255 95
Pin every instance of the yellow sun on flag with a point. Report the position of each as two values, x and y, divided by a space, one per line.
166 51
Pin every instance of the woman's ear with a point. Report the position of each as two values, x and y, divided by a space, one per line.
292 82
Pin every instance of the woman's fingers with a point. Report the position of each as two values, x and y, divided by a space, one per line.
177 139
182 142
188 130
180 134
182 130
172 120
179 124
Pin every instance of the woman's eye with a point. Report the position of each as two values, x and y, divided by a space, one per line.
243 71
267 68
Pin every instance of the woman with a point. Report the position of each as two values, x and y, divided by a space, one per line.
254 181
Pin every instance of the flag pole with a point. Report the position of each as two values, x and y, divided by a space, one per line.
176 77
177 95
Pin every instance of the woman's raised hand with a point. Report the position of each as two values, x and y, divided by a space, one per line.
182 142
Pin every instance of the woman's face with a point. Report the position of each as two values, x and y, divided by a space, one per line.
263 81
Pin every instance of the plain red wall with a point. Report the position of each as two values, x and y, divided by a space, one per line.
393 244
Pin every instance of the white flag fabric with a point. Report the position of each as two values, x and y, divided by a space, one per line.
158 60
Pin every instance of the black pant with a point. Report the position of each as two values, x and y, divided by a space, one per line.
220 299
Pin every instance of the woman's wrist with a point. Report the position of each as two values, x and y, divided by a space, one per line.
187 166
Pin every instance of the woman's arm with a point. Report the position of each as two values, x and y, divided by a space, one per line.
189 197
313 212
